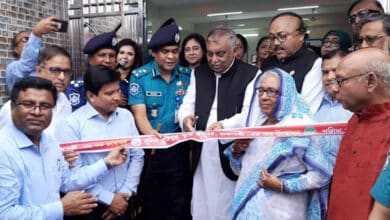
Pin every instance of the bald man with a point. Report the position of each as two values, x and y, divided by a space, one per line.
363 87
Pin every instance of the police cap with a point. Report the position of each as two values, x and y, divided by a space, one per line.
101 41
167 34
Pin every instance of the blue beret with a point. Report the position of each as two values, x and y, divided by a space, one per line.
101 41
167 34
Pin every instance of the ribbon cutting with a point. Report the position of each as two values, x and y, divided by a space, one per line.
170 139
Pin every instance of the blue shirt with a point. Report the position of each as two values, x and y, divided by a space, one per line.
162 99
31 178
25 66
332 111
381 189
87 124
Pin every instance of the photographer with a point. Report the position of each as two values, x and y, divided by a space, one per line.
26 47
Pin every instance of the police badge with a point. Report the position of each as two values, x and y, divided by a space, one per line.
74 98
134 88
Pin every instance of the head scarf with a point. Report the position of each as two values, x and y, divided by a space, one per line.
289 109
289 102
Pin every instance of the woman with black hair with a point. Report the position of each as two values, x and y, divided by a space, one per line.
193 51
128 58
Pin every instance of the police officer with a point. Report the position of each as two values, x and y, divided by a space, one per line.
101 51
156 92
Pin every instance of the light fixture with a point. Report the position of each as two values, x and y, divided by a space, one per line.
250 35
298 8
240 25
224 13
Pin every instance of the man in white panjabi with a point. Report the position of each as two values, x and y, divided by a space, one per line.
215 100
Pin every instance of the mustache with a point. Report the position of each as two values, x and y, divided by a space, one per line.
278 47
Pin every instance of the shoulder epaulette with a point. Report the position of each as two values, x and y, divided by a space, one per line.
140 72
185 70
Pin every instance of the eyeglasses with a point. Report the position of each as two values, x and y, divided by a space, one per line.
369 40
271 92
331 43
23 39
361 14
281 36
57 71
339 82
32 106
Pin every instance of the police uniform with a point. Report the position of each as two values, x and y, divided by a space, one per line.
166 175
162 99
75 91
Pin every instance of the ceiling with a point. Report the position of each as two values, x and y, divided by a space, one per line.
192 14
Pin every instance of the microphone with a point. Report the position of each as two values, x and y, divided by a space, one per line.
121 64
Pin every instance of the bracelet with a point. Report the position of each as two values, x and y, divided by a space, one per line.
108 163
281 186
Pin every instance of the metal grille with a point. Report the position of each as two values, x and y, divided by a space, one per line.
99 16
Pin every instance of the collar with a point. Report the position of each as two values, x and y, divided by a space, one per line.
156 70
90 112
375 111
22 141
329 100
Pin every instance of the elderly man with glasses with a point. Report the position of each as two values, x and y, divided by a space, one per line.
287 33
374 31
362 79
26 47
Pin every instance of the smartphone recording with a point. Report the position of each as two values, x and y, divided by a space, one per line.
62 25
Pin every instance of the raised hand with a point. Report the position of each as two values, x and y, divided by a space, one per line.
45 26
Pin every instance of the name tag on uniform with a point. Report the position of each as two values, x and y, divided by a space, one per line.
153 93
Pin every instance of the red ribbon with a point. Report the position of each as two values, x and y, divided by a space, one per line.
171 139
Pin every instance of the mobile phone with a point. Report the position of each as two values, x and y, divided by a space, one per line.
62 25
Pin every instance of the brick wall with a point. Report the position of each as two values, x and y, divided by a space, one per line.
18 15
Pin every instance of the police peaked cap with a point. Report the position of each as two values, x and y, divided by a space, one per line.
101 41
167 34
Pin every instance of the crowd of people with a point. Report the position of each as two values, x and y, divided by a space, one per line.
201 84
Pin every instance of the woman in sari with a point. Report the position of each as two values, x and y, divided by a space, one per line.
279 178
